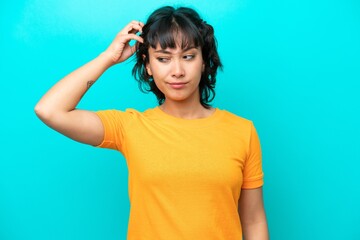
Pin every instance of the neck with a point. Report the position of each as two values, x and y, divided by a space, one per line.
186 110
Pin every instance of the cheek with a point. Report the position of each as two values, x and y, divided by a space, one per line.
201 70
159 84
159 71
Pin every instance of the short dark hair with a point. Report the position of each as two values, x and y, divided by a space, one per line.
162 27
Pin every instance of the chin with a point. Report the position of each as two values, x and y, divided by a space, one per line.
179 98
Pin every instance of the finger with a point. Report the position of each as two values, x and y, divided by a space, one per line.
138 23
137 44
141 24
129 37
133 49
134 27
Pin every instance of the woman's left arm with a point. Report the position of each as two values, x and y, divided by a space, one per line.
252 215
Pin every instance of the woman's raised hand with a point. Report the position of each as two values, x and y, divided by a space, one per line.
120 49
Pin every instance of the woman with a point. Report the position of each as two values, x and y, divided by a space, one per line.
194 170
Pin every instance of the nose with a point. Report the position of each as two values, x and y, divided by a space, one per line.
178 69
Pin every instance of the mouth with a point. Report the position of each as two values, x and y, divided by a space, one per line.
177 85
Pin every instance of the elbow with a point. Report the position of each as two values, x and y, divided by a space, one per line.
37 109
49 114
42 113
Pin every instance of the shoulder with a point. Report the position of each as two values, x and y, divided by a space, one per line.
124 115
116 112
234 119
239 126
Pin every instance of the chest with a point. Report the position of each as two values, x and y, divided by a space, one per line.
189 158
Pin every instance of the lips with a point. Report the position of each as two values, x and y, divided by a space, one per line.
177 85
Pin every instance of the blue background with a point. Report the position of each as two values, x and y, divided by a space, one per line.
293 67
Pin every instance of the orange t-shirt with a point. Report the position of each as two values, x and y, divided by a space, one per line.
185 176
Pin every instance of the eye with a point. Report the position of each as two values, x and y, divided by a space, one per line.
163 59
189 56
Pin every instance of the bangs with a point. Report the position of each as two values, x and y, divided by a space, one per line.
174 31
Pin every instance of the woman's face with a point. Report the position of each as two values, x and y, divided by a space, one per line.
176 72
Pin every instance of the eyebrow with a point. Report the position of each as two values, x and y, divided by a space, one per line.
168 52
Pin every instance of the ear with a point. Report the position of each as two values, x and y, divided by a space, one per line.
148 70
203 67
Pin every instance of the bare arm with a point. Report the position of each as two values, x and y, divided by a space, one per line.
252 215
57 108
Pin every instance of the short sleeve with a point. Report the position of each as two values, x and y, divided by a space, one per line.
252 173
113 122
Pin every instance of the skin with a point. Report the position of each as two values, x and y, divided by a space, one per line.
252 215
176 72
